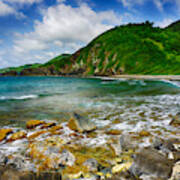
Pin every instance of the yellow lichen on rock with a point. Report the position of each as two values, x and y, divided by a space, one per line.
34 123
114 132
17 135
4 133
55 128
144 133
73 125
121 167
36 134
48 125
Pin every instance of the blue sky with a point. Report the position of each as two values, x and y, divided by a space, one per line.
37 30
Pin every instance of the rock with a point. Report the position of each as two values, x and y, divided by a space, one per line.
48 125
9 173
34 123
80 124
4 133
3 158
55 128
165 146
17 162
144 133
36 134
17 135
114 132
121 167
176 121
91 164
66 158
126 142
150 162
176 172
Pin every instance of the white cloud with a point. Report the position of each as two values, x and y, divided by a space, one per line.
159 4
164 23
5 9
23 1
130 3
60 1
63 25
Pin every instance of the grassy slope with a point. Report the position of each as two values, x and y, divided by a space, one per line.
133 49
128 49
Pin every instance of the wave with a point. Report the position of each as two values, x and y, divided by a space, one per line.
174 83
32 96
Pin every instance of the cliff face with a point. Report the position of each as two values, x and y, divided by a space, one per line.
128 49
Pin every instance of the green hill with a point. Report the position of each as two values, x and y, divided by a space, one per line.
128 49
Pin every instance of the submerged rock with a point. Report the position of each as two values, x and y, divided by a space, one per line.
34 123
81 124
4 133
150 162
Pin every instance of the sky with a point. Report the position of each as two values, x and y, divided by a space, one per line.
34 31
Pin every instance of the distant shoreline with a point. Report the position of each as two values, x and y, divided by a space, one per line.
140 77
114 77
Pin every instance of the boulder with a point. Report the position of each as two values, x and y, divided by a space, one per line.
176 172
150 162
17 135
81 124
34 123
4 133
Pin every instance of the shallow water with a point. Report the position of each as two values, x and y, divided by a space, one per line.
129 105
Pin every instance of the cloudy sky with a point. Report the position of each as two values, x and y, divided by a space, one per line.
37 30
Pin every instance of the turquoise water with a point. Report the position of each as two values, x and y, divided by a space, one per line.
135 104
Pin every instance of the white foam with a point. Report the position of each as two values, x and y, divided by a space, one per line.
18 97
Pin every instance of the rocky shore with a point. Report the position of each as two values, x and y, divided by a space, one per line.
78 149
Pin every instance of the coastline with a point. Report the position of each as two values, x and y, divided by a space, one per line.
113 77
140 77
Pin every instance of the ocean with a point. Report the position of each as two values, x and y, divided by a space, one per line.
128 105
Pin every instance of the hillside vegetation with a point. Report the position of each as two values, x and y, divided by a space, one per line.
127 49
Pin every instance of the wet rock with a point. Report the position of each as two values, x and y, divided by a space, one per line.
81 124
36 134
144 133
17 135
17 162
126 142
165 146
34 123
91 164
66 158
176 121
10 173
114 132
3 158
150 162
121 167
48 125
4 133
176 172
